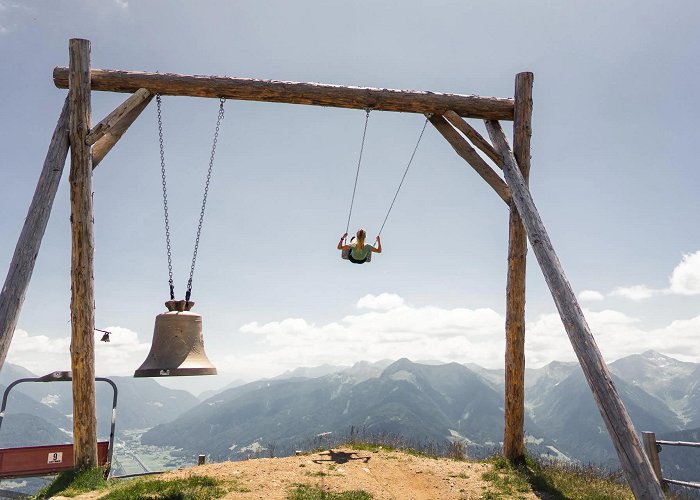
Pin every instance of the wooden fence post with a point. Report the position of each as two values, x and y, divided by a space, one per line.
82 305
649 442
15 288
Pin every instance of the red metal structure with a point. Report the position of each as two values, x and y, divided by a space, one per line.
51 459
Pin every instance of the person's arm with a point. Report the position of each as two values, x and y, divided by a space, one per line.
340 243
379 246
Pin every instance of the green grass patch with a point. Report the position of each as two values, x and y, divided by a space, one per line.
191 488
308 492
74 482
557 480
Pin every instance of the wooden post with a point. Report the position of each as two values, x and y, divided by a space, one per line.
635 464
514 409
649 442
201 460
82 305
17 281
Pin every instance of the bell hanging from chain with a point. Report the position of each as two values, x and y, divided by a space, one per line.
177 348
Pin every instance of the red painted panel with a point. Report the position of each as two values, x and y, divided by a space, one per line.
41 460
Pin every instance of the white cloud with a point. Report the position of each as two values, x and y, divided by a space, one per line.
636 292
124 4
460 334
590 296
392 331
42 354
381 302
685 279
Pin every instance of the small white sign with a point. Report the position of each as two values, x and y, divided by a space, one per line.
55 458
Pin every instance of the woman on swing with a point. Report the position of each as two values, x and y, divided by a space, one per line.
359 251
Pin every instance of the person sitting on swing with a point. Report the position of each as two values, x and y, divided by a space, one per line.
359 251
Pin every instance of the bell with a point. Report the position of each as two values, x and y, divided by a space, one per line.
177 348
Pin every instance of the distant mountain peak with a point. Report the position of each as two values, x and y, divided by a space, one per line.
652 355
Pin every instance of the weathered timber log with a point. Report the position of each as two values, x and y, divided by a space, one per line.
514 410
464 149
316 94
105 144
112 119
649 442
82 347
636 466
474 136
18 276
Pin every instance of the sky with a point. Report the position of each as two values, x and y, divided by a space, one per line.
614 175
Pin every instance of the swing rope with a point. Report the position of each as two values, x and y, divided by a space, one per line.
359 162
220 117
404 176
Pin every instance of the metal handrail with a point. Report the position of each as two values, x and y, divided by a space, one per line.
67 376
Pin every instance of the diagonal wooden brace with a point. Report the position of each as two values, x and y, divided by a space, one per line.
638 471
473 135
464 149
18 276
107 133
113 119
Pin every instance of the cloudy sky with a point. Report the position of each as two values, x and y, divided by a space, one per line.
614 175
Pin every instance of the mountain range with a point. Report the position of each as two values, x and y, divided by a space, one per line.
418 403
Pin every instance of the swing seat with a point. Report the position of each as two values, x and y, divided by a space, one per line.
345 255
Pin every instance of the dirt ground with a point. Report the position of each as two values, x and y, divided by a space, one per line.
384 474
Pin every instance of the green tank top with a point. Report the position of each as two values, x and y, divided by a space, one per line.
360 254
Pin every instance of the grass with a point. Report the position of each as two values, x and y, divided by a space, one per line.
192 488
558 480
308 492
74 482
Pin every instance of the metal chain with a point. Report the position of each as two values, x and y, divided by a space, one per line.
165 200
359 162
204 199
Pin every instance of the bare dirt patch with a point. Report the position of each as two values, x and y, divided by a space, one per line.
384 474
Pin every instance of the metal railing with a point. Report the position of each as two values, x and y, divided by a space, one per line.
653 446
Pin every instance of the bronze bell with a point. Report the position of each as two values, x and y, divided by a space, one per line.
177 348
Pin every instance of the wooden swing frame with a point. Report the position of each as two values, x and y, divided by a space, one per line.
89 145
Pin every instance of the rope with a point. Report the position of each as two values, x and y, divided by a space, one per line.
404 176
357 174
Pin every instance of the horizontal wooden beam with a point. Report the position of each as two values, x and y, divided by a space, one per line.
464 149
112 120
315 94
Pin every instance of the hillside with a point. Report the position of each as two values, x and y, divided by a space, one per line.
426 403
379 474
